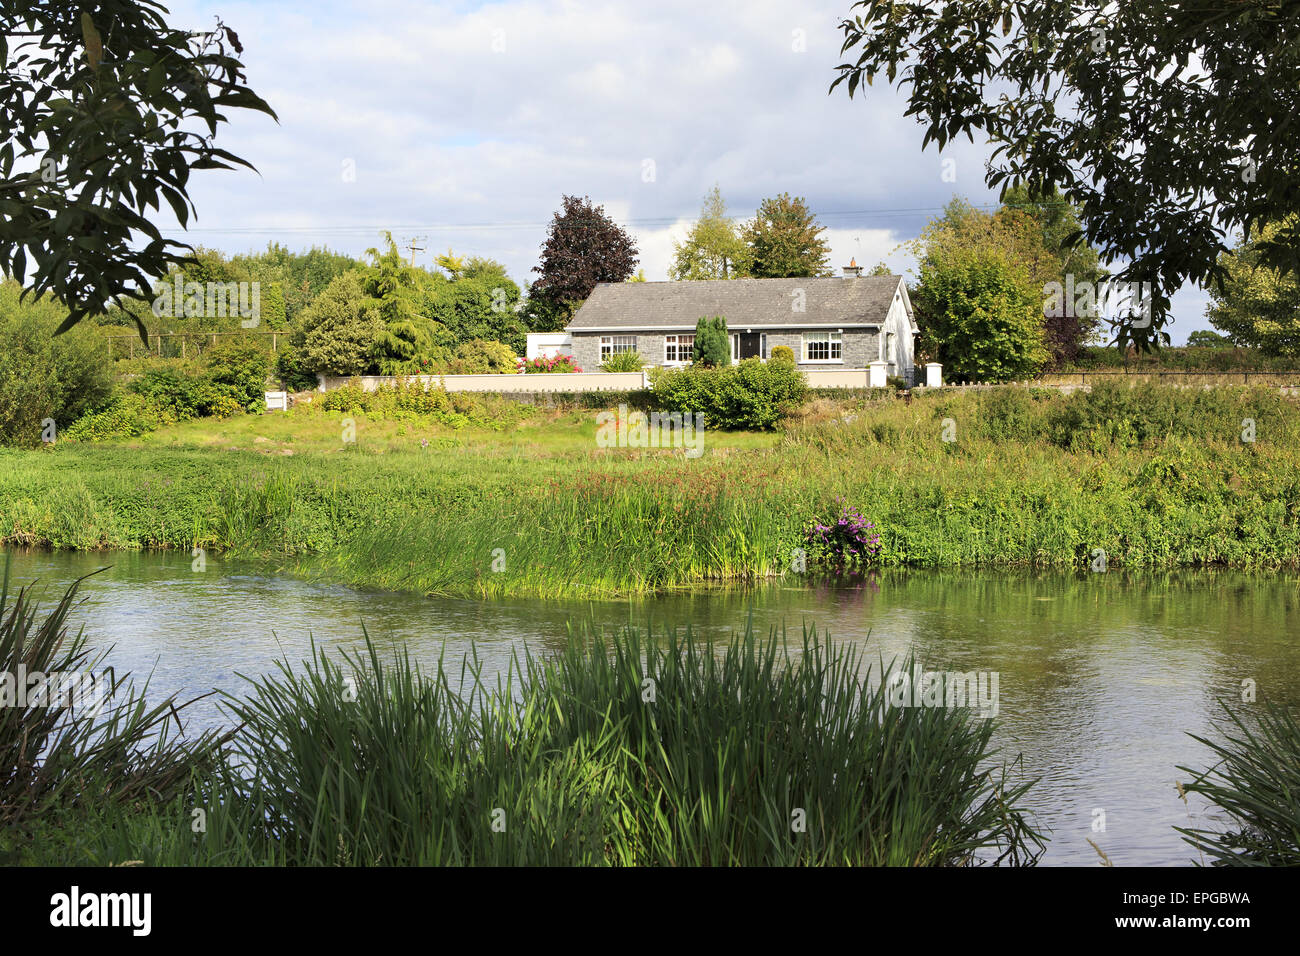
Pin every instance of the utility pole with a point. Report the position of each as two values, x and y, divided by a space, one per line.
415 248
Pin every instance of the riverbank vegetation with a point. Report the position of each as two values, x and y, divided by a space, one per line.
1255 780
621 749
1154 477
110 751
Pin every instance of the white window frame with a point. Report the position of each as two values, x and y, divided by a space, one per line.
683 344
735 347
834 342
613 344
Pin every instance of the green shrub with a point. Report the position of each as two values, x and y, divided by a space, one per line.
181 390
749 395
783 353
292 368
483 357
623 362
241 366
224 406
126 416
411 400
1189 358
346 398
42 375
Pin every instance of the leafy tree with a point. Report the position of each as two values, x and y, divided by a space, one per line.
784 240
287 283
478 305
475 300
583 246
106 110
712 346
338 332
480 267
714 248
1205 339
978 317
1027 236
541 313
1172 131
411 340
1066 330
880 269
451 264
42 376
639 277
1257 306
301 275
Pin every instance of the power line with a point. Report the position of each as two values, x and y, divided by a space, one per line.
533 224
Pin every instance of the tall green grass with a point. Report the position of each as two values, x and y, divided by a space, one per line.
617 751
1255 781
106 749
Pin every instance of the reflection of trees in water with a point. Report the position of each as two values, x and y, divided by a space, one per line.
1256 636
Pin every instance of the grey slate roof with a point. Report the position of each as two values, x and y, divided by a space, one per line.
743 303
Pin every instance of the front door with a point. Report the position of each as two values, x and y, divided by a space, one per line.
750 345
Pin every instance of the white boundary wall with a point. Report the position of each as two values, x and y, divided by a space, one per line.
566 381
537 382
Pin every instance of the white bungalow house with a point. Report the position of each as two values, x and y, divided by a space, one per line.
848 322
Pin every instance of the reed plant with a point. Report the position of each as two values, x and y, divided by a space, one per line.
617 750
1255 783
103 746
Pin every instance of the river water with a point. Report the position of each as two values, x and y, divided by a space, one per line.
1101 677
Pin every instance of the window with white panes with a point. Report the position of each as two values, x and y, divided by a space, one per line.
677 349
823 347
614 344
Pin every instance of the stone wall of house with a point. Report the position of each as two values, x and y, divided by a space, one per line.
586 351
859 347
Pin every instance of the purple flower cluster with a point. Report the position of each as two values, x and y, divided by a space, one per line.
847 541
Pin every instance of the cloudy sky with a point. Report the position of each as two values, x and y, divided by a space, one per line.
460 124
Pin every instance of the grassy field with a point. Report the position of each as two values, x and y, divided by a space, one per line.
1152 476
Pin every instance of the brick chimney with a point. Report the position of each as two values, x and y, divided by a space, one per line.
852 270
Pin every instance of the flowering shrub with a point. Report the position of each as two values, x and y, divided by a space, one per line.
847 541
557 363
